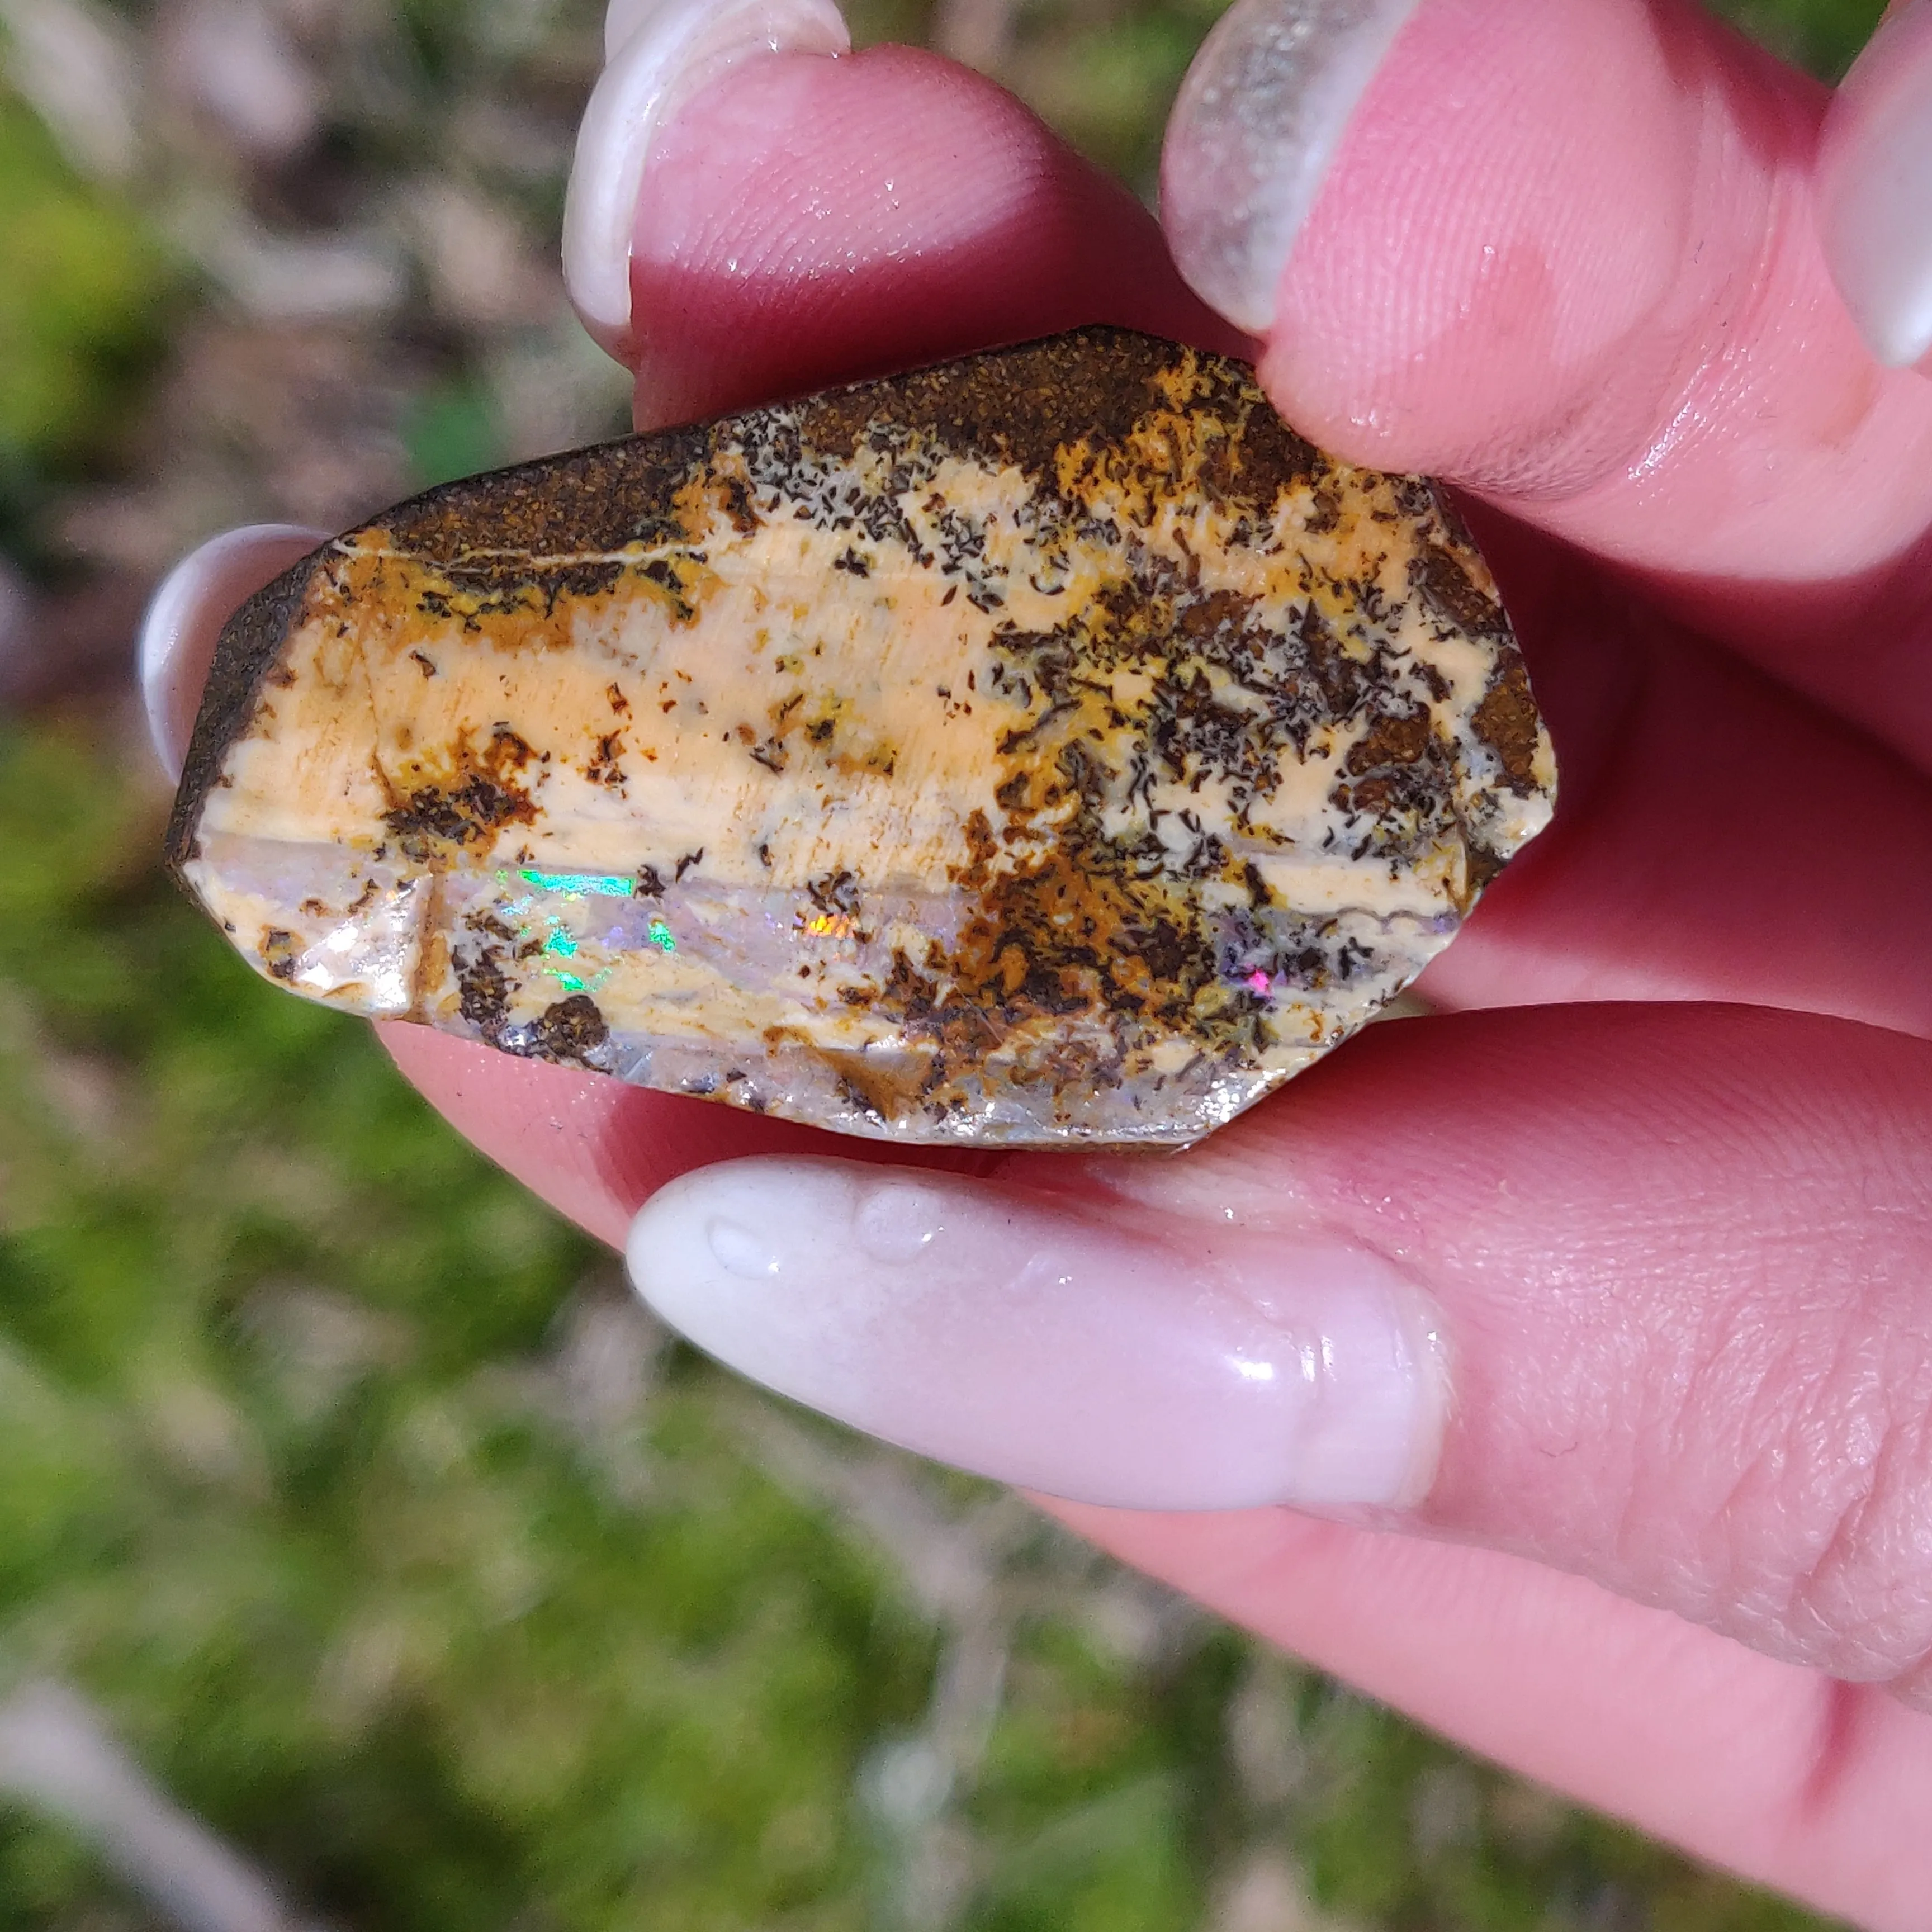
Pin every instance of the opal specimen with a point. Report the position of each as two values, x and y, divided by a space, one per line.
1050 747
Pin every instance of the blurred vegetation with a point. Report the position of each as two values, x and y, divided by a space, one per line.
79 315
1823 35
396 1541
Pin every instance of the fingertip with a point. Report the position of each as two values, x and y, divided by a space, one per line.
659 53
1464 298
1023 1336
1254 132
176 644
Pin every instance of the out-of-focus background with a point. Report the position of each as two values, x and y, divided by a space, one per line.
363 1546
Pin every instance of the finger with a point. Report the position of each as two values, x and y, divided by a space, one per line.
810 221
657 54
1782 1774
1637 1290
594 1148
1567 255
800 220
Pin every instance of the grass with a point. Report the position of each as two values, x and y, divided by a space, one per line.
401 1547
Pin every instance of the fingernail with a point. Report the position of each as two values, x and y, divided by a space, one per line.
185 615
659 52
1258 121
1875 188
1054 1346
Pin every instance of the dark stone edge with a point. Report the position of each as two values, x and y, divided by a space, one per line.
605 494
250 644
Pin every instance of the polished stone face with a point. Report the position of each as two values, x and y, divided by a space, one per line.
1049 748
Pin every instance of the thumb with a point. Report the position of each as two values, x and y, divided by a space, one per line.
1640 1292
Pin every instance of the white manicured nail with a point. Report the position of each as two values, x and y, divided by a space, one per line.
1875 188
1057 1345
660 53
185 615
1259 118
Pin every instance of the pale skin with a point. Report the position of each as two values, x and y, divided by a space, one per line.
1666 1158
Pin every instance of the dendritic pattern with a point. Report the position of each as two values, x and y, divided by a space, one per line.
1049 748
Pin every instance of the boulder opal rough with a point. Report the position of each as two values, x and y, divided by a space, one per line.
1050 748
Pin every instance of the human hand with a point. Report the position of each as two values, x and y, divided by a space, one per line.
1591 1315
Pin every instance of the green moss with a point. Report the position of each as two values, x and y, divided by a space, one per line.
79 308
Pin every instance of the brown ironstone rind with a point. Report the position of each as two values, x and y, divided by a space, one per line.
1050 747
